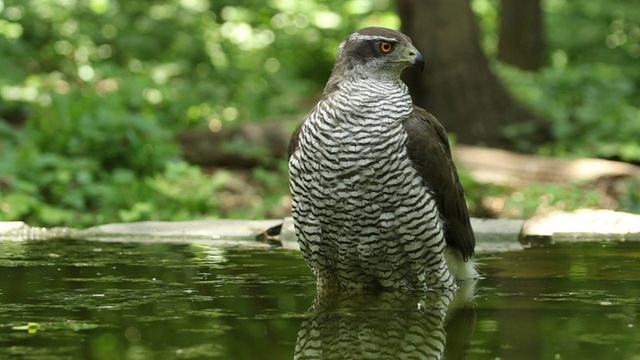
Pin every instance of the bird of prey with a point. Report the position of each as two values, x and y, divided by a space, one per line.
376 197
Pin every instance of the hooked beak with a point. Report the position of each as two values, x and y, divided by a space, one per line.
415 59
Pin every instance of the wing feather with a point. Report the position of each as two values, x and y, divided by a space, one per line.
430 152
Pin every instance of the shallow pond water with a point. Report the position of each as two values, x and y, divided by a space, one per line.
65 299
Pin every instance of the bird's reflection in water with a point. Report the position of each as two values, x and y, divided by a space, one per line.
431 325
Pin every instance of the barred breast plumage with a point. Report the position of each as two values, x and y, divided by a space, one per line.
368 210
410 325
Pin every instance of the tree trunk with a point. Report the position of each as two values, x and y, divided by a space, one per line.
457 86
521 42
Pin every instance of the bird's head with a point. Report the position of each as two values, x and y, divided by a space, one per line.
377 52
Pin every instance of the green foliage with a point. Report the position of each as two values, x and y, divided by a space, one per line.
81 159
105 130
533 199
594 32
200 61
180 192
105 85
525 201
594 108
70 193
590 90
629 197
93 92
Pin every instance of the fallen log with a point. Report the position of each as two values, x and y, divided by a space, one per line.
506 167
253 144
244 146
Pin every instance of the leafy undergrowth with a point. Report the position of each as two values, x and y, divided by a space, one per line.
94 93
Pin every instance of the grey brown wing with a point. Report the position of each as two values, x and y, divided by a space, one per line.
429 150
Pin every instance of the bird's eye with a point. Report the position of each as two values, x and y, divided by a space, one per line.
386 47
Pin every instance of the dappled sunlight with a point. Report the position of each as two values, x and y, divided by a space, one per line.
94 90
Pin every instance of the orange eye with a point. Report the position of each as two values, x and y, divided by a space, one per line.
386 47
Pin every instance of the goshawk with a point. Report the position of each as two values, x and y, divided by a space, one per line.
376 196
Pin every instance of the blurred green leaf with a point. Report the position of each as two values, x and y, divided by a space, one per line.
93 93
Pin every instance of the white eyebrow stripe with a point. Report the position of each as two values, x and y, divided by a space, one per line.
357 37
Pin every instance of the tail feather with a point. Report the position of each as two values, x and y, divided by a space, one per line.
459 268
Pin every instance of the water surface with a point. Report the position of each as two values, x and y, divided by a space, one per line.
65 299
